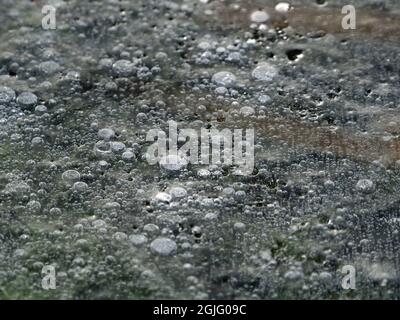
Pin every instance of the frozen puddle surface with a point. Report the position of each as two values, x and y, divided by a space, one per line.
81 105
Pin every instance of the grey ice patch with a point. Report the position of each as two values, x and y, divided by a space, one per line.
178 192
259 16
282 7
365 186
224 78
173 162
123 68
138 239
163 246
70 177
264 72
6 95
49 67
27 99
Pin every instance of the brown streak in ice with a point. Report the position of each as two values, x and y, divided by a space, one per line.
341 142
370 24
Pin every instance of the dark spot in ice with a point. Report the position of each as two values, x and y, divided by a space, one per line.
293 54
